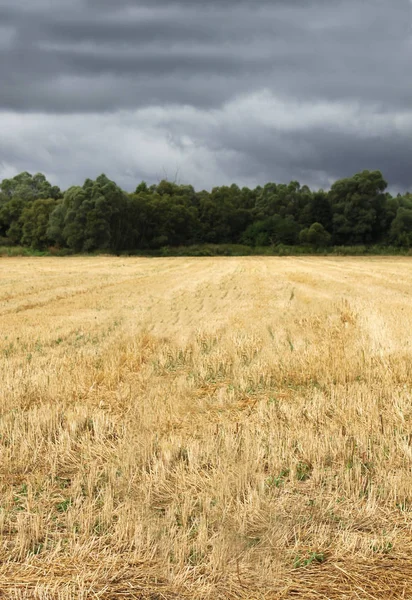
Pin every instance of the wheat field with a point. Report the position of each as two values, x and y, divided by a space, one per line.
205 428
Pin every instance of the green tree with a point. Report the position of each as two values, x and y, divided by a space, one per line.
400 232
224 214
358 206
16 194
10 223
35 223
29 187
91 217
142 187
316 235
320 210
173 220
271 231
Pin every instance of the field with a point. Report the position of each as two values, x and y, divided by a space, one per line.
205 428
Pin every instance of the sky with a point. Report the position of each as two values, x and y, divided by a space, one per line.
207 93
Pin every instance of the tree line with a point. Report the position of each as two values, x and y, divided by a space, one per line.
100 216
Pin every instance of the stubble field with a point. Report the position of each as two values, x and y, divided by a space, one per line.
205 428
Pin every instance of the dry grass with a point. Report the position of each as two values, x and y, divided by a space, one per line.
205 428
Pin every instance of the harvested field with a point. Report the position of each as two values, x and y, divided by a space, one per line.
205 428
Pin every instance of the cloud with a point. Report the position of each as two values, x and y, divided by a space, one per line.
226 91
251 140
166 52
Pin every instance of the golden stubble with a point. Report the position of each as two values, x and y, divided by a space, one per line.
205 428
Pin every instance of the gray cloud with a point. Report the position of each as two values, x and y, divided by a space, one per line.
263 90
319 50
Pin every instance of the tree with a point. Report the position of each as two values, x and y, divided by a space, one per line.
100 216
320 210
142 187
400 232
280 199
35 223
92 217
18 193
29 187
222 214
56 224
273 230
10 224
316 235
358 205
174 220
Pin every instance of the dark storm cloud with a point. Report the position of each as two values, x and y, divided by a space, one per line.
319 156
318 50
314 144
99 57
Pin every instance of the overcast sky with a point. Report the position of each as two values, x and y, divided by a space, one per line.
207 93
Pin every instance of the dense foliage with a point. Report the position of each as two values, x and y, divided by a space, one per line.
101 216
